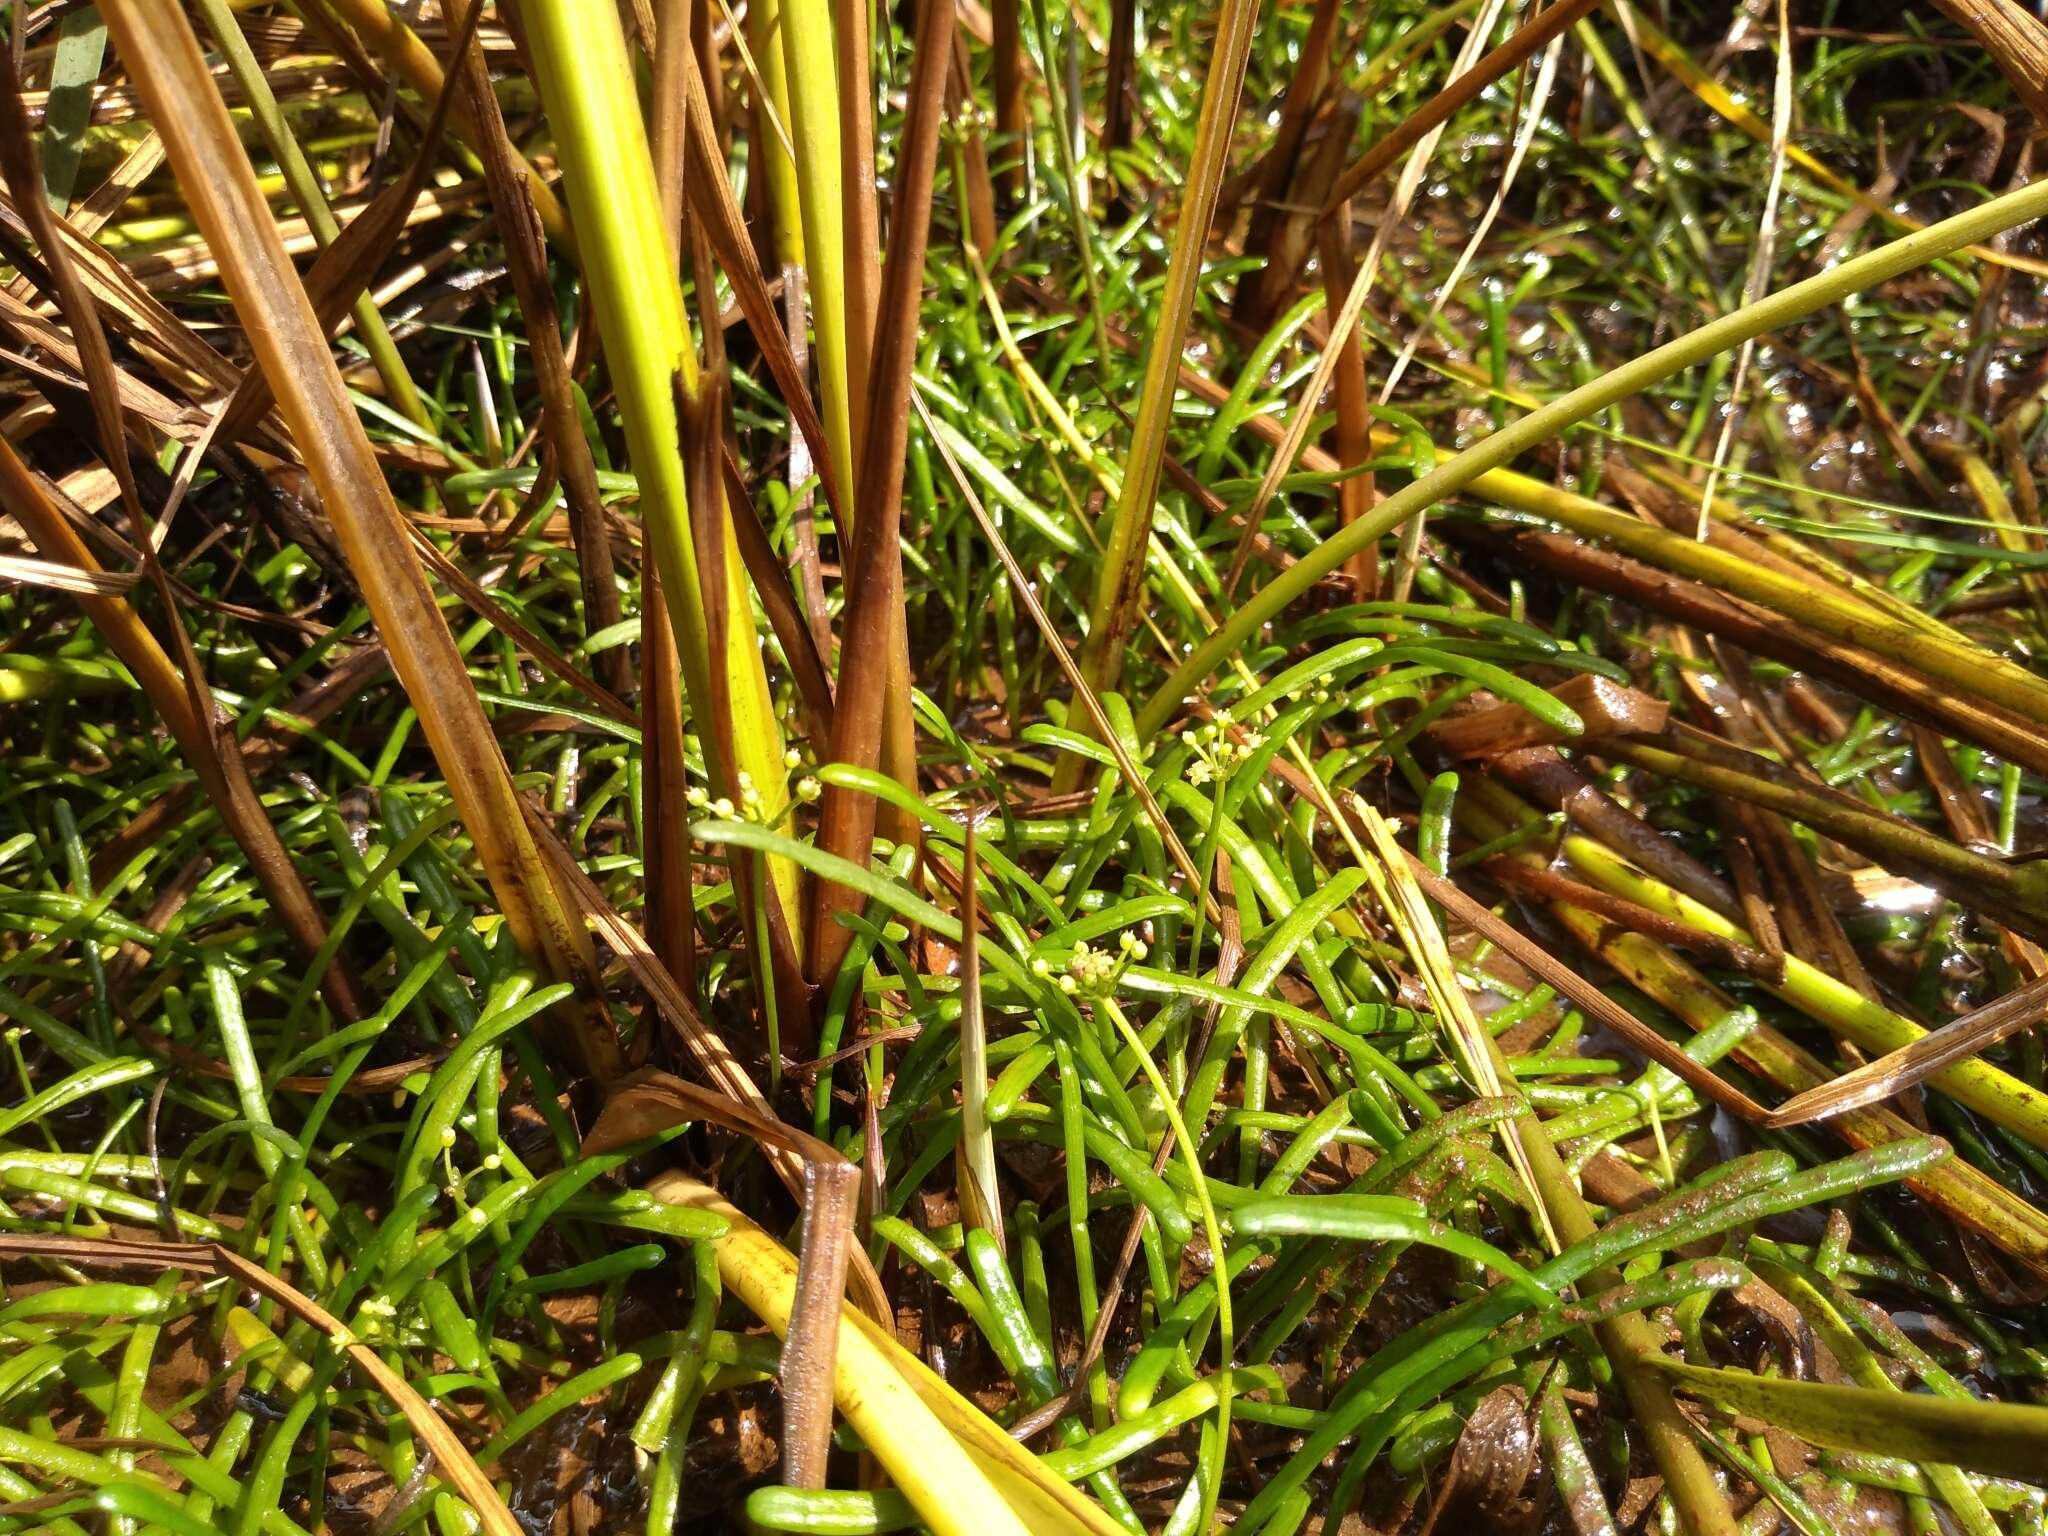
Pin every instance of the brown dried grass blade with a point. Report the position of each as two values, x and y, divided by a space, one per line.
1437 111
371 1080
23 167
1969 822
450 1454
1353 401
2009 893
1906 1068
665 840
1878 679
550 660
978 189
664 819
771 582
1549 885
162 55
178 691
648 1101
59 577
346 268
1285 225
1118 95
122 183
704 1043
1264 184
722 222
810 1349
414 62
2017 42
1604 707
772 948
141 317
860 234
1013 114
110 1252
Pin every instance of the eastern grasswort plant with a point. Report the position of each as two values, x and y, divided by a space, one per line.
996 767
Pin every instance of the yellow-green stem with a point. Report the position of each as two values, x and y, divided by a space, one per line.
1502 447
585 78
1998 1096
772 130
1122 575
812 116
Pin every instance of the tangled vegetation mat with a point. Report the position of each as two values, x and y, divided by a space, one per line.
1013 767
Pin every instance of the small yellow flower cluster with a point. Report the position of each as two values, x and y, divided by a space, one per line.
375 1317
807 789
1094 972
750 806
1217 752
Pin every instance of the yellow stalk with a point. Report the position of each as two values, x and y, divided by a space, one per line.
586 81
964 1476
1995 1094
771 105
813 111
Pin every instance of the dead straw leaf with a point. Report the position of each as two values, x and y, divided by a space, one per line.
160 51
2017 42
